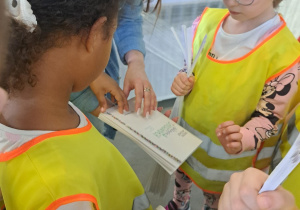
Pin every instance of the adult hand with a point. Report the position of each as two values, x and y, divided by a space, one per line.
105 84
182 84
230 137
137 79
241 192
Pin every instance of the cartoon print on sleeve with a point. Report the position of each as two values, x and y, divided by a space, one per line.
266 133
280 86
272 106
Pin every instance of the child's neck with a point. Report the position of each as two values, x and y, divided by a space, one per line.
35 113
233 26
44 106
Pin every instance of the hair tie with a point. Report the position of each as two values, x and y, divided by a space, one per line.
21 10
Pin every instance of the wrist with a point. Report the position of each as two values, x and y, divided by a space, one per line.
134 57
248 141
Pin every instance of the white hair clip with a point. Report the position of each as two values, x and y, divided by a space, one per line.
21 11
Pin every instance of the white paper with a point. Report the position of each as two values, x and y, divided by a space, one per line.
186 44
165 141
284 168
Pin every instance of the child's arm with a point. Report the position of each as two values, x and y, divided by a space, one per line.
271 108
182 85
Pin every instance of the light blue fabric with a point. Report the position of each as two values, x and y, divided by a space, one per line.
128 36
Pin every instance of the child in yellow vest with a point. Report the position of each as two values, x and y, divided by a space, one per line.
241 192
51 157
3 36
245 83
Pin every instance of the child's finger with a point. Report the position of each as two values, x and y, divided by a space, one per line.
234 137
231 129
218 131
191 79
186 81
226 124
234 147
177 90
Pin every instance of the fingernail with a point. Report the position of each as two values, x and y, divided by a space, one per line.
138 112
102 109
147 115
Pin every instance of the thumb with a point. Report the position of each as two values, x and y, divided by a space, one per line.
192 79
278 199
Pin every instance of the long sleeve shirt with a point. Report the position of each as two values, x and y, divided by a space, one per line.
276 93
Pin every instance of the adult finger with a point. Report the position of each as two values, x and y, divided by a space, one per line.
232 194
147 98
278 199
139 94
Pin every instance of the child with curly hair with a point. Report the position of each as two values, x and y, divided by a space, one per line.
51 157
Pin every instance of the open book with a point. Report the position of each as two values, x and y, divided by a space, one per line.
164 140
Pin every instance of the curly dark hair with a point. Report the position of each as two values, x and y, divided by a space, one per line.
57 21
3 33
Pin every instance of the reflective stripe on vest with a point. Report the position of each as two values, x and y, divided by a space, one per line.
90 169
230 90
141 202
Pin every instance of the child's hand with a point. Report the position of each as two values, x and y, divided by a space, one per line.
230 137
105 84
182 85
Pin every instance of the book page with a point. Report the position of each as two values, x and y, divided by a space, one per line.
164 140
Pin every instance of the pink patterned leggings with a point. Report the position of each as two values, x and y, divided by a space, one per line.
182 193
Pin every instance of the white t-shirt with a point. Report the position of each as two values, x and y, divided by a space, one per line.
233 46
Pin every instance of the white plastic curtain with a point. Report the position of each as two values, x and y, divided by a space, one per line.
290 10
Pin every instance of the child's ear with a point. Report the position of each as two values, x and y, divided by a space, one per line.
95 34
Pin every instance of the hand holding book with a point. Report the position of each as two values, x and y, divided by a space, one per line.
166 142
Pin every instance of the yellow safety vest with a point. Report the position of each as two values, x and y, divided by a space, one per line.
62 167
230 90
